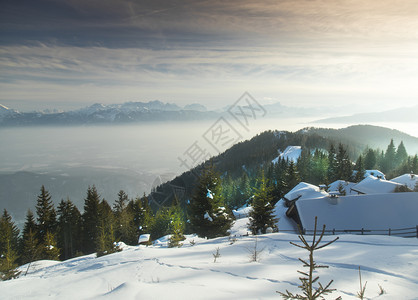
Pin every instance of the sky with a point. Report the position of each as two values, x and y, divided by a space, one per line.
68 54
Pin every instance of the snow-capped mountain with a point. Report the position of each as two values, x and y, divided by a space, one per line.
107 113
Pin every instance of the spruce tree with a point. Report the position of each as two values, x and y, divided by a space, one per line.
332 164
360 169
280 187
401 154
143 216
415 164
176 225
8 265
9 235
245 190
344 169
319 167
292 176
228 190
303 165
124 220
69 229
50 248
208 216
105 239
160 226
261 215
370 160
90 220
46 220
30 248
389 158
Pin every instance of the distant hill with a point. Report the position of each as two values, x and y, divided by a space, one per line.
367 135
263 148
406 114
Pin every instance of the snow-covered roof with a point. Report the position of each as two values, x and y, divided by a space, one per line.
292 153
305 191
371 212
374 185
375 173
284 223
334 187
144 238
242 212
410 180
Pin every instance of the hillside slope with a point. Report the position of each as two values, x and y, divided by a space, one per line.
157 272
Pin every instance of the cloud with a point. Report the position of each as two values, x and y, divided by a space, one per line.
128 23
125 49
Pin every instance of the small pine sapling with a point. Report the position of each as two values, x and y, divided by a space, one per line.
255 251
308 280
216 254
381 290
360 294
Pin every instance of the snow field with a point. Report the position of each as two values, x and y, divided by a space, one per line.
158 272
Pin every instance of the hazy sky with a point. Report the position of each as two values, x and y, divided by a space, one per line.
72 53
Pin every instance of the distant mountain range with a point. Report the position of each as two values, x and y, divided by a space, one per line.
157 111
132 112
405 114
128 112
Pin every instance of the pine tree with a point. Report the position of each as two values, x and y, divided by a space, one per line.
176 225
69 229
401 154
343 164
160 226
415 164
228 190
121 202
319 167
90 220
143 217
105 239
303 165
124 220
8 265
370 160
9 234
389 158
46 215
261 216
30 248
332 164
280 187
360 170
245 190
291 177
208 217
50 248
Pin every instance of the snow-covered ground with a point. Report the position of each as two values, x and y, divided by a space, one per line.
189 272
292 153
